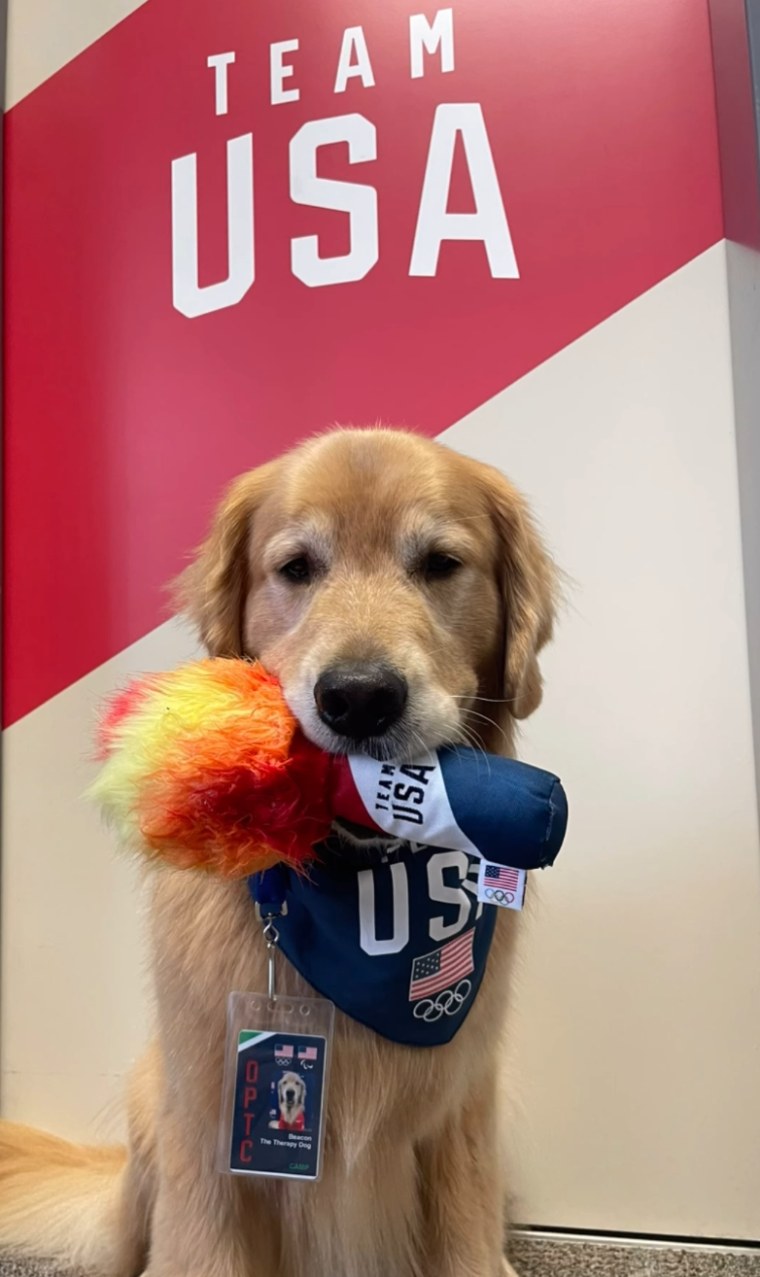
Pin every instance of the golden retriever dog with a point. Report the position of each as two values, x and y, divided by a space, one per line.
401 594
291 1099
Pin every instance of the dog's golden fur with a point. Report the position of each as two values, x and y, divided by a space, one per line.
414 1182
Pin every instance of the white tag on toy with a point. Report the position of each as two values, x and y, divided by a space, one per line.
277 1057
408 800
499 885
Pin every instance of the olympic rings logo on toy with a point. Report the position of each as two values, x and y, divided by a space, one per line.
446 1003
498 896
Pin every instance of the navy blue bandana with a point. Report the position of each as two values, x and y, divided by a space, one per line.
400 946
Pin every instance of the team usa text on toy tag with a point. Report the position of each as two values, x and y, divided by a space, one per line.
401 792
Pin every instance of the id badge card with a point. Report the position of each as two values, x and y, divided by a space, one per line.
275 1084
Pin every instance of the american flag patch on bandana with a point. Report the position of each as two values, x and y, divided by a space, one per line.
442 968
500 885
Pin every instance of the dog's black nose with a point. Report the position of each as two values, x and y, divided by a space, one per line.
358 701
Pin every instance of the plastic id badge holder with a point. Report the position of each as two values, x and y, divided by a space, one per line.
277 1060
275 1085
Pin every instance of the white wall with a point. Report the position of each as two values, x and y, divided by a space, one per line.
638 1044
73 999
744 300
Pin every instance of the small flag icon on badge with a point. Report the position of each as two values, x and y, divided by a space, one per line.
501 885
283 1054
307 1057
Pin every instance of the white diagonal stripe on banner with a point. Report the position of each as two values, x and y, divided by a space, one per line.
43 35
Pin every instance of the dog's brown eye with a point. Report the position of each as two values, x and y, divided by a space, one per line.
297 570
436 566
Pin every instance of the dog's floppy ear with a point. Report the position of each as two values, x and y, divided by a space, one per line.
212 590
528 582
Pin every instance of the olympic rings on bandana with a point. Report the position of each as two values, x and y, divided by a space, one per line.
446 1003
501 897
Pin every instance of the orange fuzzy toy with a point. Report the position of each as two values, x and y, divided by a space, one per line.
206 768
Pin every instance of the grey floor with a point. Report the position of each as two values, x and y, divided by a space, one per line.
10 1268
540 1257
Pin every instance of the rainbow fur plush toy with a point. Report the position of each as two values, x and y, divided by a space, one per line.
205 767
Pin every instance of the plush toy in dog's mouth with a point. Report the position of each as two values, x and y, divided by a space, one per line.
205 767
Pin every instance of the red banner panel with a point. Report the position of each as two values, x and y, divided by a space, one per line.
231 225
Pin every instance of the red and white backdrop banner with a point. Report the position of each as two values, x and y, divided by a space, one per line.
231 224
355 213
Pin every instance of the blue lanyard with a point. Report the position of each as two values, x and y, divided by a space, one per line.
268 890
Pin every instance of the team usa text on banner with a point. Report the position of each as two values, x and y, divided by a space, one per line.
431 49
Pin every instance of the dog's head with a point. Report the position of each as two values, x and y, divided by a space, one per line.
397 589
291 1092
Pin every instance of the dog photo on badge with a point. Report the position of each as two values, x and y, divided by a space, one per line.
289 1111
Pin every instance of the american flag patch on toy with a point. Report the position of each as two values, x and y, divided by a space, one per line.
500 885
